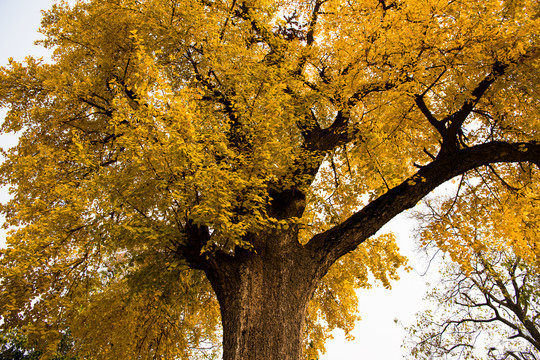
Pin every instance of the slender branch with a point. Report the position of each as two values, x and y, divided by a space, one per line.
103 110
274 41
437 124
222 32
504 182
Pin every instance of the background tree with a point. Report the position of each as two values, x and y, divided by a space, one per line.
488 303
180 155
490 313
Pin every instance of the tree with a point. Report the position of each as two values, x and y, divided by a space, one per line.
490 313
177 155
488 303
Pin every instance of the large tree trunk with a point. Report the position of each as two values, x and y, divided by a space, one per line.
263 295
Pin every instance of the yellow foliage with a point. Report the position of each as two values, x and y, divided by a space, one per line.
159 116
469 225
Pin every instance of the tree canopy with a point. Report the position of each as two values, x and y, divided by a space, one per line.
186 164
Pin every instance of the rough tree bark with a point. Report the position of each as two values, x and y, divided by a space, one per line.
263 299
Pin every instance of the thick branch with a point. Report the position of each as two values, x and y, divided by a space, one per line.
289 201
450 127
329 246
337 134
314 17
456 119
235 135
371 88
389 6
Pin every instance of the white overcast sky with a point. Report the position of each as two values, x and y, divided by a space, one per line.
377 336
